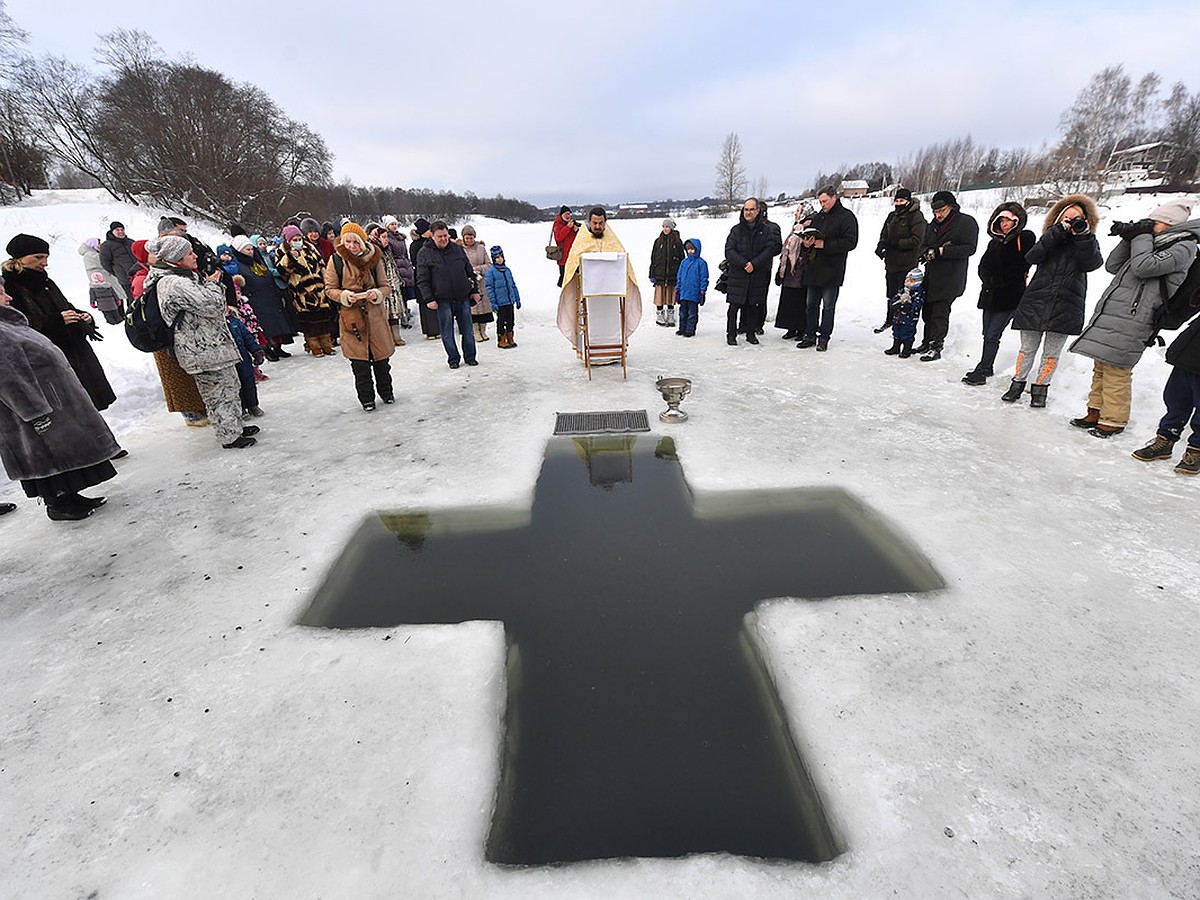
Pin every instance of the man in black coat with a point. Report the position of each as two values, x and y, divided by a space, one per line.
838 229
447 283
1181 394
116 256
752 243
901 236
950 242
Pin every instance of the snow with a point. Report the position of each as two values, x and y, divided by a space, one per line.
1030 731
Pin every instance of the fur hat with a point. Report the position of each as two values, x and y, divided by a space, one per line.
1173 212
389 220
291 232
242 243
421 226
354 228
495 251
942 198
310 224
26 245
170 248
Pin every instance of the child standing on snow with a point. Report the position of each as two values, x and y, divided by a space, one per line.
504 296
691 284
251 354
906 312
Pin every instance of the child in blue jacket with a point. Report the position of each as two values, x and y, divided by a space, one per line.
691 284
504 296
251 354
906 312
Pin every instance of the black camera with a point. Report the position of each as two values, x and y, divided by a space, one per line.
1078 225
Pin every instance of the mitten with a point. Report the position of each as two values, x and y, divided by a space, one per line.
881 251
702 293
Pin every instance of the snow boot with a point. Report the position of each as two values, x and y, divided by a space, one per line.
1190 464
660 317
975 378
327 344
1091 420
895 349
1106 431
1159 448
313 345
395 326
822 344
906 350
670 316
1037 395
933 354
1014 392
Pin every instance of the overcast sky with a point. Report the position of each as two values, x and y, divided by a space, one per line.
630 100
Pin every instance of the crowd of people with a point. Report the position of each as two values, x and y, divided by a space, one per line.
231 309
226 312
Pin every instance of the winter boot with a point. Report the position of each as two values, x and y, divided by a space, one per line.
1089 421
975 378
895 349
313 345
933 354
1014 392
906 350
1106 431
661 316
395 326
481 328
327 344
63 509
1037 395
1190 464
822 344
1159 448
670 316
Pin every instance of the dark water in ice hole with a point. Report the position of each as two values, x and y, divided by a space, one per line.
641 719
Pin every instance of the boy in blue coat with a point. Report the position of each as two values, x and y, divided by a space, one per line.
504 296
906 312
691 284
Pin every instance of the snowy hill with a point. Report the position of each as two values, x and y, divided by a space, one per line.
168 731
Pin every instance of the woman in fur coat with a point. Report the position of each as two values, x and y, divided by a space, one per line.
299 263
52 439
355 279
1051 309
481 261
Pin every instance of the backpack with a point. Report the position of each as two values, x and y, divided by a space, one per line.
1178 309
145 326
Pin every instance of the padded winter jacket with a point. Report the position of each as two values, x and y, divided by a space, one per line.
757 242
1147 270
902 233
1003 268
1057 293
692 278
839 228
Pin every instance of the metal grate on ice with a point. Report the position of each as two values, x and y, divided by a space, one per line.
615 422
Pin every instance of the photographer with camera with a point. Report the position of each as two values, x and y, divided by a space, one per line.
950 241
1051 309
1150 262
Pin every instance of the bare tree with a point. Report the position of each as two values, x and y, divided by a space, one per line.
761 187
731 173
1183 130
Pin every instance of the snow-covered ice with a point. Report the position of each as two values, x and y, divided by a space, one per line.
166 730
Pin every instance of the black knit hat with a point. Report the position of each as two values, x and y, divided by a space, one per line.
113 226
940 199
903 194
26 245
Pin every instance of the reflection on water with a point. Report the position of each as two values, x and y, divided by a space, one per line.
641 719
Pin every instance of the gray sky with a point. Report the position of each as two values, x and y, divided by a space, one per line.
628 100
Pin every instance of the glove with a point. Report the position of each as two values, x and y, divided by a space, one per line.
41 424
653 281
881 251
518 304
929 255
702 293
676 295
1133 229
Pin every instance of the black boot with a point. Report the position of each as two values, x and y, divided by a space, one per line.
1037 395
975 377
894 350
906 350
1014 392
933 354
